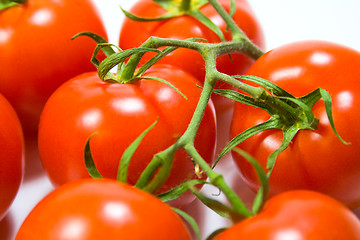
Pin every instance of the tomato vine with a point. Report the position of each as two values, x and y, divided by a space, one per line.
289 113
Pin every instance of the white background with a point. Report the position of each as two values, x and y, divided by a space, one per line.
283 21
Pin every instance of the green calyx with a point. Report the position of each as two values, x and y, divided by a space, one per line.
288 113
126 73
4 4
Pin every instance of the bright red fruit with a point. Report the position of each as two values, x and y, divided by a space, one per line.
118 114
11 155
37 54
315 160
298 215
101 209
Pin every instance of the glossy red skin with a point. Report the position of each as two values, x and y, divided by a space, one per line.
11 155
101 209
119 113
133 34
300 215
315 160
38 55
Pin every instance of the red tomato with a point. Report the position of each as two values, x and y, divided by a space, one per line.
119 113
35 40
11 155
101 209
298 215
315 160
133 34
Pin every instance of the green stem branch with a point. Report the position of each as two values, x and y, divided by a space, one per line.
188 138
217 180
235 30
190 133
284 110
247 47
161 161
186 141
255 92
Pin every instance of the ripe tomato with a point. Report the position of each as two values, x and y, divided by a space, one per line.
11 155
133 34
298 215
119 113
315 160
35 39
101 209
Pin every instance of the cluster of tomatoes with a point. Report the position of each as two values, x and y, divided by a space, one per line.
62 101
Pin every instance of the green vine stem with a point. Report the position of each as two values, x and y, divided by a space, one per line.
210 53
237 33
287 112
162 161
158 170
217 180
187 140
217 49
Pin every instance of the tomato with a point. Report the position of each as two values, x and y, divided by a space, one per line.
101 209
298 215
118 114
37 54
11 155
133 34
315 160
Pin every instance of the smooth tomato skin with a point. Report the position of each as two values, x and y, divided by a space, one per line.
35 40
11 155
315 160
298 214
101 209
118 114
133 34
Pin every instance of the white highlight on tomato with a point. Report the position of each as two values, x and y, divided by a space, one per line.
92 118
286 73
288 234
344 100
165 94
42 17
74 227
320 58
116 213
272 143
128 105
5 35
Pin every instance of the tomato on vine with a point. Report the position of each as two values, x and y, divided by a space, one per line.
35 42
115 114
134 33
315 159
102 209
11 155
297 215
